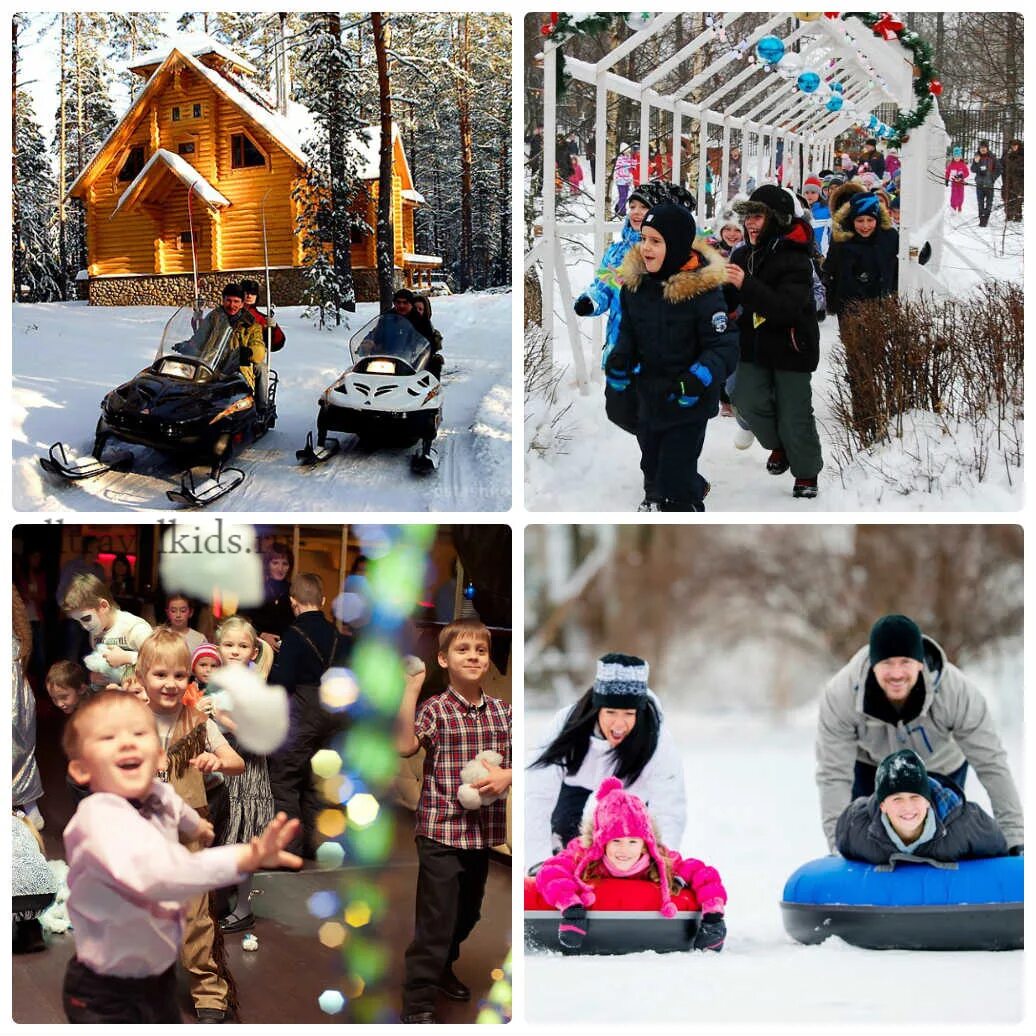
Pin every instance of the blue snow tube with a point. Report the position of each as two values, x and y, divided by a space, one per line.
909 904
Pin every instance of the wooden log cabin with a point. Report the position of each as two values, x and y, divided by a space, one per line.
195 160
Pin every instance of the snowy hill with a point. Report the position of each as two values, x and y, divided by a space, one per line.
932 468
66 356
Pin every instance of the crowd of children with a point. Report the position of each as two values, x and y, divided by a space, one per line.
173 816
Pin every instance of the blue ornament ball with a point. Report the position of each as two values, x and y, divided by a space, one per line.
872 122
834 103
808 82
770 49
836 88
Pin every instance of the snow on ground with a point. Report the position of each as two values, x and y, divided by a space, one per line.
68 355
753 814
598 469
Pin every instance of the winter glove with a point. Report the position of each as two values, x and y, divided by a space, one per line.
711 934
584 306
617 374
572 929
821 315
1016 850
692 386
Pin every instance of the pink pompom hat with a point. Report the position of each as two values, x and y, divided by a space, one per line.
205 651
619 814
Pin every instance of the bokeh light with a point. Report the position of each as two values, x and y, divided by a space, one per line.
357 914
324 903
331 823
363 810
339 689
332 934
372 843
379 671
330 855
374 758
326 763
331 1001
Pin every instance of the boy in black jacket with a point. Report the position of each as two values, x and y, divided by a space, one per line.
912 813
676 343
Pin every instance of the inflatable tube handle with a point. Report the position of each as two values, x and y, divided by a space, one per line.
895 858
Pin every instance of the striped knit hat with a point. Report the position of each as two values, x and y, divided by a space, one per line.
621 682
205 651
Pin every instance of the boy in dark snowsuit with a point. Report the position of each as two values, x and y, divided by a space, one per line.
913 814
675 349
772 280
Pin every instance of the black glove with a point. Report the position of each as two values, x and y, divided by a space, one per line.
712 933
572 929
583 306
617 373
1016 850
821 315
244 355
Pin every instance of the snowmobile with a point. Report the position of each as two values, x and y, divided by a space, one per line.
388 397
193 401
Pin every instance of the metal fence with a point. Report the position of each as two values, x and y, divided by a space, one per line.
967 126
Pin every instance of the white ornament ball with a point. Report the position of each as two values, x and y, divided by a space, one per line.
638 20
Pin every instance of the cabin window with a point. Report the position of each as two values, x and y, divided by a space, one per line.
185 148
243 153
133 164
186 238
197 111
357 235
176 115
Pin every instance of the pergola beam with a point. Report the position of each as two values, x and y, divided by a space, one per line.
659 22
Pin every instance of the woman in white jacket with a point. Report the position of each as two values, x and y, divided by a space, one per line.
615 729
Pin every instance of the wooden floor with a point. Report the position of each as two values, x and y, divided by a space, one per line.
281 981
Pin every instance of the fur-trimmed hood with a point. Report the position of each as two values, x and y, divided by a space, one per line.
842 225
709 271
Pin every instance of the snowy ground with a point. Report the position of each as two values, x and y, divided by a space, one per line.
753 814
598 469
68 355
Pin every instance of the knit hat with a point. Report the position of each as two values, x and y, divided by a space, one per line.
864 204
812 181
650 194
619 814
900 772
621 682
958 152
676 225
233 291
250 287
205 651
896 636
768 200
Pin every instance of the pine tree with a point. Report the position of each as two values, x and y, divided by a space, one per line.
385 230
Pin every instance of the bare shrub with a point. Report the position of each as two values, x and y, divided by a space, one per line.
546 426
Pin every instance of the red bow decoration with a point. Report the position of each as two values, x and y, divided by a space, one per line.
833 15
888 26
545 29
935 87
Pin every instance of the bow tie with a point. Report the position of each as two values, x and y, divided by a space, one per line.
152 806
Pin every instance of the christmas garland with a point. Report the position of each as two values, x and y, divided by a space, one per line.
563 26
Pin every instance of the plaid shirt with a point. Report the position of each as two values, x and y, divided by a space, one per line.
453 732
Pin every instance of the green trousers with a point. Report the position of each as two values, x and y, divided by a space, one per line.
778 407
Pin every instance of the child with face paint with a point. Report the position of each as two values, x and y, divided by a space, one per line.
114 633
622 842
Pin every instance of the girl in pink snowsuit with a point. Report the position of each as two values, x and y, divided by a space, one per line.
956 174
621 843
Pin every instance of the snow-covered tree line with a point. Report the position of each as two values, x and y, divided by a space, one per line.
448 83
758 611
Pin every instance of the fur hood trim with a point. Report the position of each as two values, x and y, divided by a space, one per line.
842 225
685 284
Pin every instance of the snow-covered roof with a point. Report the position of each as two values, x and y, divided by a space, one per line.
183 171
195 43
425 260
411 195
370 156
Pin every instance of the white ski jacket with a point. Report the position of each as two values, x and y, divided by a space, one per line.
660 785
954 725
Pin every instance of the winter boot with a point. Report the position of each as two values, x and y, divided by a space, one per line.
777 462
805 488
686 505
648 505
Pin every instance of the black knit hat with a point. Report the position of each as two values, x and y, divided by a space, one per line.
650 194
768 200
676 225
233 291
620 683
901 772
250 287
896 636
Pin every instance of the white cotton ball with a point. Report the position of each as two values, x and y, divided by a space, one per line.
259 711
212 556
412 665
250 942
468 797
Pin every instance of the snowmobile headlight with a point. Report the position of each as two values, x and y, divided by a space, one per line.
381 367
244 403
431 395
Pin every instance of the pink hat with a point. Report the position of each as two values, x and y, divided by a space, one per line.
619 814
205 651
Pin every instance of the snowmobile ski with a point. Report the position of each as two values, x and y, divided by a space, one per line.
75 469
311 454
201 494
422 463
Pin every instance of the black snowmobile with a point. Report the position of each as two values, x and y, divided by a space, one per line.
387 397
192 401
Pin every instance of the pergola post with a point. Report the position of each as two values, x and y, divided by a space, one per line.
549 217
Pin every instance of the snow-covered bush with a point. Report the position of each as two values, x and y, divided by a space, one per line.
546 427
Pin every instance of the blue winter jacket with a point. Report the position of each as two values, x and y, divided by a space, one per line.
821 231
604 288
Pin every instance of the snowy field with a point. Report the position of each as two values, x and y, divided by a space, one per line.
753 814
68 355
598 469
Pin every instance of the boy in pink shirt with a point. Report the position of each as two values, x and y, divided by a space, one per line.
128 875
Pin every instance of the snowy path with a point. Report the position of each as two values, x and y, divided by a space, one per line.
753 814
68 355
928 470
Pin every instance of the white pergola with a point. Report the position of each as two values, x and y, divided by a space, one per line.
770 113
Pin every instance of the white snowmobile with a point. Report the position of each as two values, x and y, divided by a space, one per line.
388 397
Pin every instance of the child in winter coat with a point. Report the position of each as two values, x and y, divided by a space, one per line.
987 170
912 813
956 175
676 341
625 163
863 261
621 842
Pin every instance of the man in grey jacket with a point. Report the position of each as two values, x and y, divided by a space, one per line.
901 692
